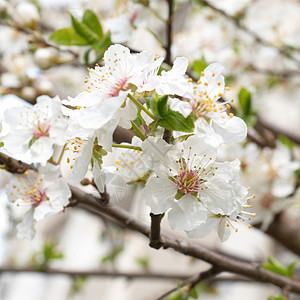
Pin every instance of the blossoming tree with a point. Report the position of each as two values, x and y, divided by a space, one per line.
152 127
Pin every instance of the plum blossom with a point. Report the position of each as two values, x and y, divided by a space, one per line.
35 129
271 173
103 105
43 192
130 163
201 99
122 26
191 184
204 101
81 152
173 82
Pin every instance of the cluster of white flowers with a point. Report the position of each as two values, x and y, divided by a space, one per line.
182 178
271 173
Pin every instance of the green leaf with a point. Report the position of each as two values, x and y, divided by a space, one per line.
286 141
159 105
275 266
162 105
111 257
291 267
1 144
279 297
91 20
193 293
173 120
103 44
84 31
78 284
176 295
245 101
68 37
200 65
98 152
86 56
249 120
143 262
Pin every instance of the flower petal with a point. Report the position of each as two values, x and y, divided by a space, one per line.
187 213
159 194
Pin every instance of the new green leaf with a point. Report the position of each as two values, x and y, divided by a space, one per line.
68 37
91 20
84 31
173 120
245 101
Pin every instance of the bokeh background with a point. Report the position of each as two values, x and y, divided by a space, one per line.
257 41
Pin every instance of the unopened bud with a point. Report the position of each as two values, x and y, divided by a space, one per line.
28 14
28 93
44 86
44 57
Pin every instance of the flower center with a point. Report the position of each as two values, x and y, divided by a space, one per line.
267 201
119 86
38 197
41 129
133 17
28 188
188 181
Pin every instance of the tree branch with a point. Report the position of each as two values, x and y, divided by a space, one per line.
168 59
155 238
278 131
286 231
96 273
190 248
184 246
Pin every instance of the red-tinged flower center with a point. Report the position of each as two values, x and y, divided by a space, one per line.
41 129
133 17
38 197
188 181
267 201
119 86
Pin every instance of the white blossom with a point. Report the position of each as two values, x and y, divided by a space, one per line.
122 26
191 184
43 192
35 129
205 94
103 105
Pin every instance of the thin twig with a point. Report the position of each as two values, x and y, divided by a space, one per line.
192 281
96 273
168 58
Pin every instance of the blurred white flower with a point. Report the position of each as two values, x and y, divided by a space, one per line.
44 57
27 14
122 26
130 164
42 191
35 129
270 173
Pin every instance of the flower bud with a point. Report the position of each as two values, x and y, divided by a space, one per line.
28 93
44 57
28 14
44 86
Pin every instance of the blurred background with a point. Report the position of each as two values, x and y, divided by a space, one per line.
258 43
